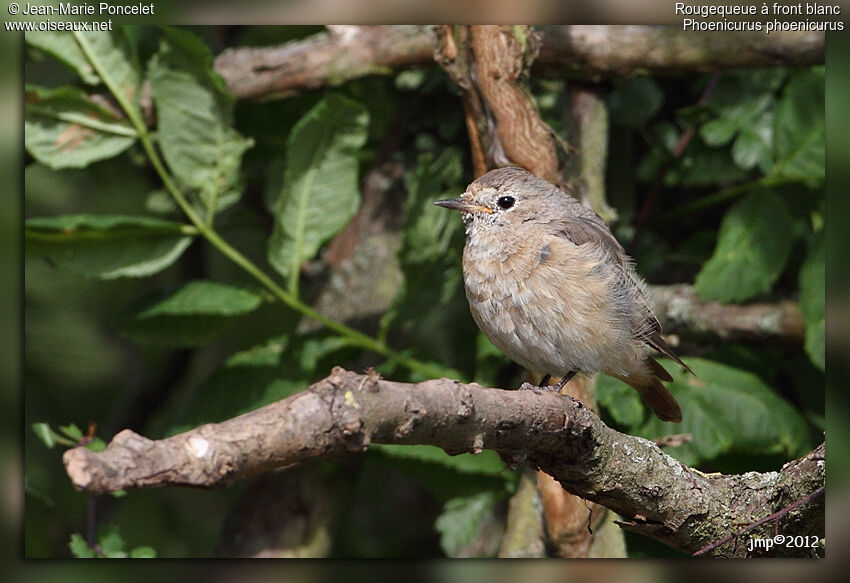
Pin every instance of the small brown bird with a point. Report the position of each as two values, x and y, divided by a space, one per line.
552 288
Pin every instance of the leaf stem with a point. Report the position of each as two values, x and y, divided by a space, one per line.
208 232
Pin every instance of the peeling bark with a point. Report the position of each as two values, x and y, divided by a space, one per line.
345 412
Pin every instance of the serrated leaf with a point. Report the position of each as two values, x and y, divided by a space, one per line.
195 114
64 129
80 548
107 246
115 54
799 130
460 521
727 410
320 191
813 298
64 48
752 249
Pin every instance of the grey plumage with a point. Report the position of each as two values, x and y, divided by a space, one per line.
554 290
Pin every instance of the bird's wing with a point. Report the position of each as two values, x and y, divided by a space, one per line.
591 228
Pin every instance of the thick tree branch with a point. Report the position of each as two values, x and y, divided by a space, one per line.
682 311
350 52
345 412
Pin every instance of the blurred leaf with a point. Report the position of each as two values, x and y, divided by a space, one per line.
620 400
320 192
635 101
115 53
111 542
799 130
64 48
460 521
752 249
72 432
189 314
447 476
813 298
202 297
726 410
80 548
64 129
195 113
143 553
487 463
50 437
107 246
260 375
430 306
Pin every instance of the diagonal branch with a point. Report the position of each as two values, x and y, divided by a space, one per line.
345 412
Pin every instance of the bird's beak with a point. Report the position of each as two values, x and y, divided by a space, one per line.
463 205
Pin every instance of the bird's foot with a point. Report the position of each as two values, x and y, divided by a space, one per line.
545 386
565 379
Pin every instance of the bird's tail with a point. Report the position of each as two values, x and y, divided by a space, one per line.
655 394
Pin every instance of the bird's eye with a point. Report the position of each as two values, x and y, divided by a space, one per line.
506 202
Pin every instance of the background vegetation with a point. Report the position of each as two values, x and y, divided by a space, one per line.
190 264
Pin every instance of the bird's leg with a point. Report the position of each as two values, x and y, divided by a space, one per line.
566 378
544 382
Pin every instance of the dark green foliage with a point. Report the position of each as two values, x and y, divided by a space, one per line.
262 188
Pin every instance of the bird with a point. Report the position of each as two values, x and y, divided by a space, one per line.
552 288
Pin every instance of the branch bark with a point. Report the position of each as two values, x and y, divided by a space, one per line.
345 412
350 52
682 311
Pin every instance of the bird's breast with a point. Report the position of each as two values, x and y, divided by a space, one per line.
544 303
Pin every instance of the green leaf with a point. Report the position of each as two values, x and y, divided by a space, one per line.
115 54
265 373
813 298
72 431
80 548
64 48
107 246
64 129
430 305
143 553
195 114
799 130
752 249
635 101
320 191
461 520
111 542
45 434
620 400
727 411
188 314
753 145
202 297
486 463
